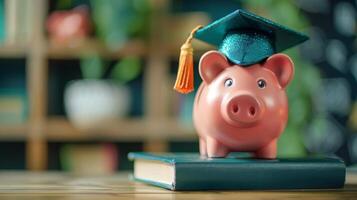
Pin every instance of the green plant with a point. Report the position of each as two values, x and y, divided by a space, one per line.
116 21
126 69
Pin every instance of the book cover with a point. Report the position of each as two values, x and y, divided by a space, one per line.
188 171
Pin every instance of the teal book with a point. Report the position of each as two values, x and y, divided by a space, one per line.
189 171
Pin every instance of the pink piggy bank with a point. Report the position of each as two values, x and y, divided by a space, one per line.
241 108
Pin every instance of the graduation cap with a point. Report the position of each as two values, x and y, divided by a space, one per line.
243 37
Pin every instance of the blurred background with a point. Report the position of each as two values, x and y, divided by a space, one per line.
84 82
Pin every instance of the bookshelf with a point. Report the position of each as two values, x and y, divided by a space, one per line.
155 128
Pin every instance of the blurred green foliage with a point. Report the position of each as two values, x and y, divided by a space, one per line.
125 70
302 90
117 21
92 67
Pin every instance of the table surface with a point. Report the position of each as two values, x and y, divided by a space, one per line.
54 185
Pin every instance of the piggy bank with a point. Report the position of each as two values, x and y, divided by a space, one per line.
242 109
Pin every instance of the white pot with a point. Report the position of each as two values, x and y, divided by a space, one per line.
89 103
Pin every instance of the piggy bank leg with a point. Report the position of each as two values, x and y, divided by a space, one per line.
215 149
267 152
203 147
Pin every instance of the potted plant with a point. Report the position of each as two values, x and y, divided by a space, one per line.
96 99
102 94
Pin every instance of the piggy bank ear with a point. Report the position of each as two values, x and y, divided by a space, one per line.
282 66
211 64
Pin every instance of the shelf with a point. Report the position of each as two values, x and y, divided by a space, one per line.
60 129
13 132
12 51
94 46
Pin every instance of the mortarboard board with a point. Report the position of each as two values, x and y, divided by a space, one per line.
243 37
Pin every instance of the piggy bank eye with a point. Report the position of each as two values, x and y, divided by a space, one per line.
261 83
228 82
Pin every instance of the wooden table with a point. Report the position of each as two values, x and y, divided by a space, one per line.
53 185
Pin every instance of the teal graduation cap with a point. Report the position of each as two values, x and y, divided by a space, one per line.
243 37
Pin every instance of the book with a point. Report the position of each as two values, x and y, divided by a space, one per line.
18 21
93 159
11 110
189 171
11 16
13 106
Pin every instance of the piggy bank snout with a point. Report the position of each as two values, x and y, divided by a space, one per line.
242 109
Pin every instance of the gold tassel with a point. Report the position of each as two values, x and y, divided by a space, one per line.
184 80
